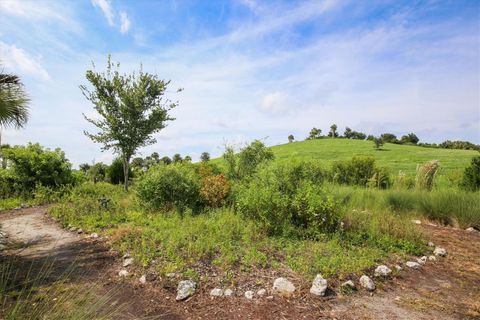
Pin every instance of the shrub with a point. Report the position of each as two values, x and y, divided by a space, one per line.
214 189
170 186
360 171
426 175
287 196
245 162
32 164
115 172
471 176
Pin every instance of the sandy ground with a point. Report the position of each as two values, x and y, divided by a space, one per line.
446 289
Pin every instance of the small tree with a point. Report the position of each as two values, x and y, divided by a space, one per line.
205 157
314 134
187 159
84 167
166 160
389 138
177 158
291 138
348 133
131 110
333 131
410 138
378 143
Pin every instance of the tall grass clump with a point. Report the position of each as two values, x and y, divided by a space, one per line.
426 174
35 290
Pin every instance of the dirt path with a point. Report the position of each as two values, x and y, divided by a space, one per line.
446 289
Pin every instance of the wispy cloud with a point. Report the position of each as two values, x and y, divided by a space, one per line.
18 60
125 22
106 8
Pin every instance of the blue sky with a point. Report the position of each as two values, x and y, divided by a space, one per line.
251 69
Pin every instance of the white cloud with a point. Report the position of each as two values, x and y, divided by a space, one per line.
30 9
18 60
275 102
106 8
125 26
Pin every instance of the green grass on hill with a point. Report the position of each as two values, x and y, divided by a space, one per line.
394 156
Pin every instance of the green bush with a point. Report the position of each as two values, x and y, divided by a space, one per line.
360 171
32 165
245 163
287 197
471 176
171 186
115 172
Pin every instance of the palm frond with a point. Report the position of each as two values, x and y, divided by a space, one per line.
13 102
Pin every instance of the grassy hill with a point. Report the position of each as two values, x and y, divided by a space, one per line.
396 157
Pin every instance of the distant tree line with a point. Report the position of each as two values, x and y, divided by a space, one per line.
409 139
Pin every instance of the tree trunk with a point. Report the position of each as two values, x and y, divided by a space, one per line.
125 172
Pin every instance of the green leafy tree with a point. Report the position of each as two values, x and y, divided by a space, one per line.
389 138
377 143
348 133
333 131
131 108
84 167
177 158
291 138
187 159
205 157
315 133
409 138
166 160
245 162
13 105
98 172
33 165
137 163
115 171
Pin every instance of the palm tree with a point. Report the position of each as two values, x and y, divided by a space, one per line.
13 104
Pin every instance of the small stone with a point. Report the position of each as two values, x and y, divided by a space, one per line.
432 258
348 285
431 244
123 273
185 289
126 256
261 292
72 229
416 221
422 260
151 276
367 283
399 268
94 235
143 279
79 231
127 262
2 247
440 252
413 265
397 298
470 229
319 286
283 287
171 275
270 298
249 294
382 271
228 293
217 292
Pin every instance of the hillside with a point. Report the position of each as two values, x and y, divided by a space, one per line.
396 157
